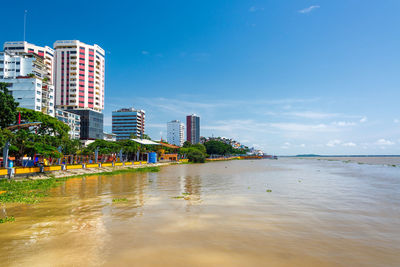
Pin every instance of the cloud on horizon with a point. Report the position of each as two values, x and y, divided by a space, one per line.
304 127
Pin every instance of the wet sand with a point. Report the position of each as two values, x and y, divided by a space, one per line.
318 213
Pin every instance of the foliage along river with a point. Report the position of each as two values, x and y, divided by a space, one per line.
289 212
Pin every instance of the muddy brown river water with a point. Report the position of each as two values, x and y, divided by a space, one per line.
318 213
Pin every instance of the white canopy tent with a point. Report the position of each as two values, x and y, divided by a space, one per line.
145 142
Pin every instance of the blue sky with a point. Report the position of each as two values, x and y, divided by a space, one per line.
288 76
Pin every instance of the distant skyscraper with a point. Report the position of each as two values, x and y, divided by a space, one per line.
127 122
193 129
175 133
79 75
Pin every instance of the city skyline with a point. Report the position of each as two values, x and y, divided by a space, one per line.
297 77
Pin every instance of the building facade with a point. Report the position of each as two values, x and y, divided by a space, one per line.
23 66
91 126
175 133
27 92
79 75
72 120
193 129
47 53
127 122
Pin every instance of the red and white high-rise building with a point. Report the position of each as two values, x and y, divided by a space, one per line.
79 75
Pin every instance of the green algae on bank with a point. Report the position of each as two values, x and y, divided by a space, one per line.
7 219
117 200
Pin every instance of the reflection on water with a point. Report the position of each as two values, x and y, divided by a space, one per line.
319 213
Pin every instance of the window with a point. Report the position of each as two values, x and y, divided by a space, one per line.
38 100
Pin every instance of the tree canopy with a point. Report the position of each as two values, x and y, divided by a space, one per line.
8 107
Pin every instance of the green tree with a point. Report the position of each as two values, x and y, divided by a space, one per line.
217 148
71 146
48 125
129 147
5 135
196 156
8 107
187 144
105 147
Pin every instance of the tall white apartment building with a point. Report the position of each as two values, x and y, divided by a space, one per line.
26 91
175 132
17 65
47 53
20 60
79 75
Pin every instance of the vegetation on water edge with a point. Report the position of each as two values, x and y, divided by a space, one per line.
30 191
116 200
184 195
7 219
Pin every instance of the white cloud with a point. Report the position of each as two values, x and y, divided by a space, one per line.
298 127
333 143
312 115
363 119
144 52
308 9
343 123
349 144
384 142
396 120
286 145
303 145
